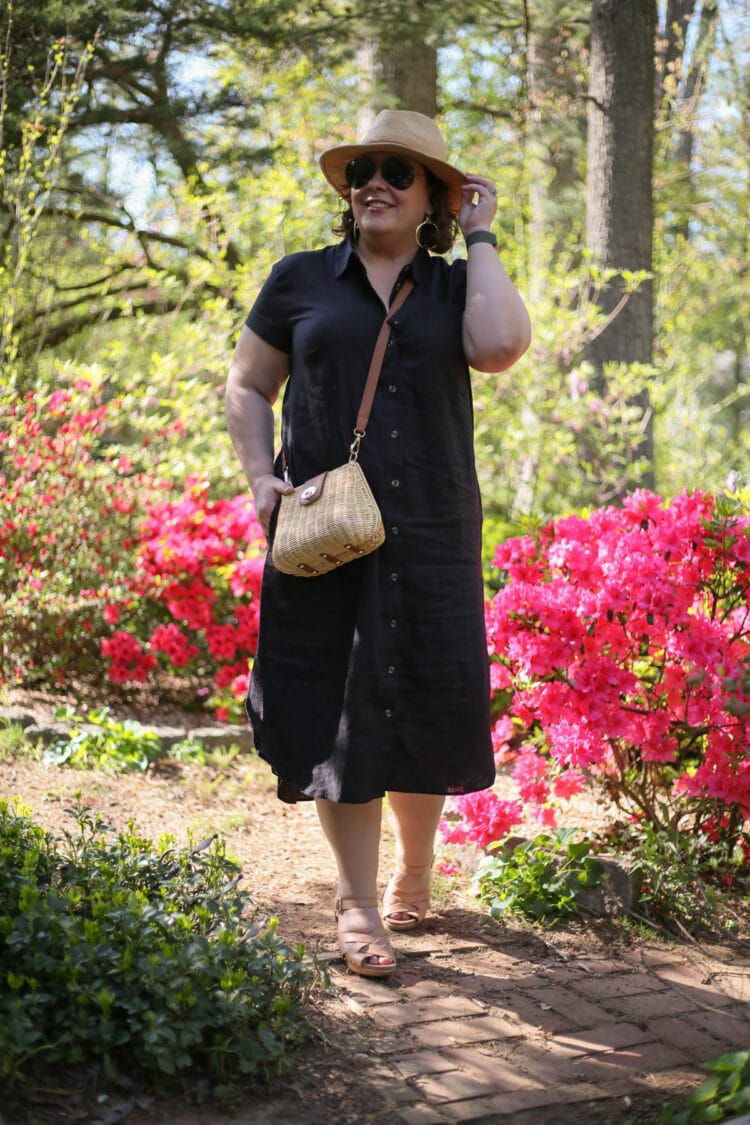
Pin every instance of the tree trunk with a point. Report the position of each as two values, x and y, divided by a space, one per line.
619 200
401 73
671 46
555 137
685 95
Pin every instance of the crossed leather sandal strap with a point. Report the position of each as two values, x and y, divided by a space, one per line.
367 943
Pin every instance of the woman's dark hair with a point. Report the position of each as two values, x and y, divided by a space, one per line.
439 241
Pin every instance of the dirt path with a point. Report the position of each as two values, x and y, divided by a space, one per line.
482 1022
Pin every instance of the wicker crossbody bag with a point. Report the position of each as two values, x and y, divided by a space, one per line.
333 518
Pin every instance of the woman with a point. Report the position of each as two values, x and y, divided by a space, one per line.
373 679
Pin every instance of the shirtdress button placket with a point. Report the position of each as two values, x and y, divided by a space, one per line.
396 487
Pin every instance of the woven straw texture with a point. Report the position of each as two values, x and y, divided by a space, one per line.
342 525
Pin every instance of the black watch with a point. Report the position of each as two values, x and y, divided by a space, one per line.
481 236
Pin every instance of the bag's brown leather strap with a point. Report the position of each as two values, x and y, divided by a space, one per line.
368 395
378 355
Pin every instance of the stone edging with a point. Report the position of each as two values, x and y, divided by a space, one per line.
217 736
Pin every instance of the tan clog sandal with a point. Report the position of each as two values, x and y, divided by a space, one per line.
414 904
358 945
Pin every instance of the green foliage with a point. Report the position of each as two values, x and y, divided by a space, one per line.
550 436
70 510
112 745
115 745
28 176
137 960
680 868
541 877
154 270
725 1093
13 742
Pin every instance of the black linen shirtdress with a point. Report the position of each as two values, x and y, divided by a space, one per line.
374 677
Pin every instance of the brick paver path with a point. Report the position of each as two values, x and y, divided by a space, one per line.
503 1039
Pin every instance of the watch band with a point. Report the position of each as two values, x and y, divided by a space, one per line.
481 236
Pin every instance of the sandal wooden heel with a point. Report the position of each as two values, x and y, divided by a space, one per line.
413 903
358 945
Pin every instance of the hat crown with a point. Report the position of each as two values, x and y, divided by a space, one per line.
406 129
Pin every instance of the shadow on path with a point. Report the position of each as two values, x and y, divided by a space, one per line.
483 1023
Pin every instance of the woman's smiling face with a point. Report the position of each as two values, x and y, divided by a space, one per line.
380 208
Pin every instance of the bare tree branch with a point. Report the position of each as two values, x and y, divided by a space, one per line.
58 333
127 225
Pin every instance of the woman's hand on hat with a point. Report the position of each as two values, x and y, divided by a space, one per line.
267 490
479 204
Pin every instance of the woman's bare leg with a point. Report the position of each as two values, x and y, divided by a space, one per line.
415 820
353 832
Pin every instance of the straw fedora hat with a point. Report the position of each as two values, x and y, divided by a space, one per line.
406 133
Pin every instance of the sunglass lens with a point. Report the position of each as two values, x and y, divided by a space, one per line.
397 172
360 171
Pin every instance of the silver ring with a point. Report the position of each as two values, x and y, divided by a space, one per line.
493 190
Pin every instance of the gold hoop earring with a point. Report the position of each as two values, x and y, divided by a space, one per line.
427 238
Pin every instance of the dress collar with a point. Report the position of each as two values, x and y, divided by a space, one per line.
345 253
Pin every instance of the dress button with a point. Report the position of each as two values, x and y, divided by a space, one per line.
395 483
394 577
392 388
394 433
394 531
388 713
394 623
391 670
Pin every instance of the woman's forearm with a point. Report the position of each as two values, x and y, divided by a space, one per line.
251 427
496 327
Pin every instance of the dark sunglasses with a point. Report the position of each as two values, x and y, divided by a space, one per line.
396 171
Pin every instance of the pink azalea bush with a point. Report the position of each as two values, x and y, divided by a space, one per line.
620 649
194 595
105 567
69 514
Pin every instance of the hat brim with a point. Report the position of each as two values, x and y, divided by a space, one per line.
334 161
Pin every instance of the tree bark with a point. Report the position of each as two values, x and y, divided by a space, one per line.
619 194
555 137
687 94
401 73
677 16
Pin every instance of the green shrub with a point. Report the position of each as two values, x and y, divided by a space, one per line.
725 1092
115 745
682 874
541 877
137 961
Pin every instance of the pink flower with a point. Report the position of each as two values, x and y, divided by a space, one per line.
568 784
530 772
485 818
623 641
502 733
450 870
546 816
173 643
246 576
222 642
129 663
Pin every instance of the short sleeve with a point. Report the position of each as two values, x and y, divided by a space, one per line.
269 316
